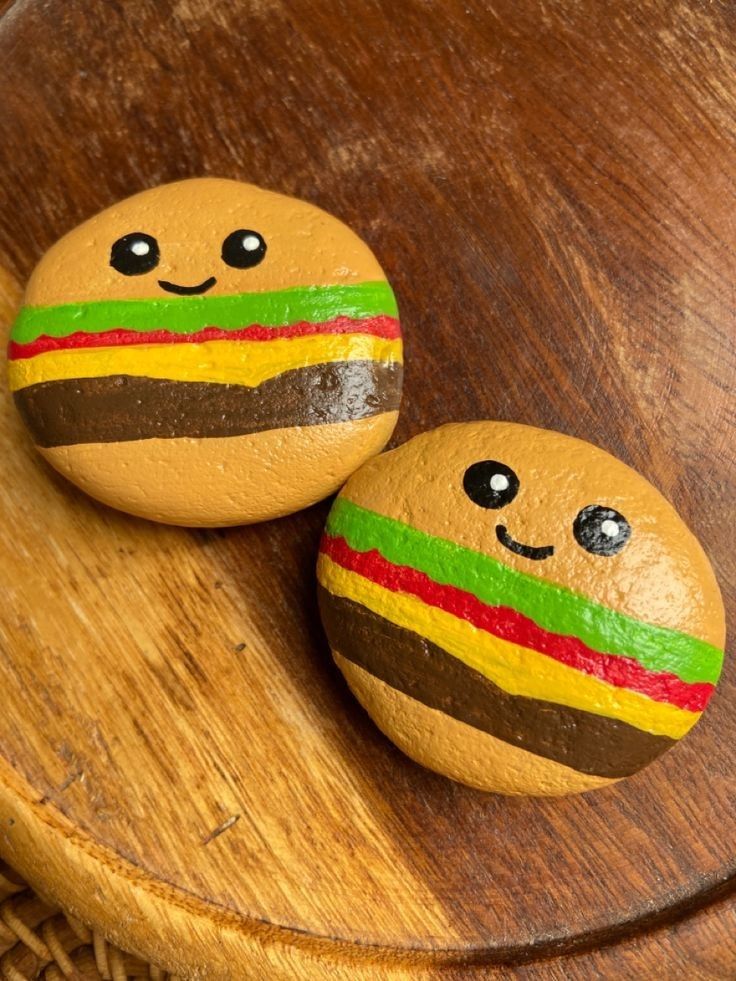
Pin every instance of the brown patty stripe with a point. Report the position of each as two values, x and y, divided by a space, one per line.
581 740
117 408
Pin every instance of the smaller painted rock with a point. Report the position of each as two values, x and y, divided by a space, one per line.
518 610
208 353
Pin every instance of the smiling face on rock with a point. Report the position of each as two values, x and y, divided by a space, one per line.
555 624
192 232
208 353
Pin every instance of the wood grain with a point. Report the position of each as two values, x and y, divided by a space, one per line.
550 187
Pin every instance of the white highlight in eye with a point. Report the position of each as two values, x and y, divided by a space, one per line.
499 482
251 243
140 247
610 528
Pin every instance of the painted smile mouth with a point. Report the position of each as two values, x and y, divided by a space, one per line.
187 290
527 551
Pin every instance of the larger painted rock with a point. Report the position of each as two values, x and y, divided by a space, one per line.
518 610
208 353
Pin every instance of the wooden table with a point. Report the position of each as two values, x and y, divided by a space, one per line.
551 189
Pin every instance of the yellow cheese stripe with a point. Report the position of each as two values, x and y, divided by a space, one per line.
516 669
234 362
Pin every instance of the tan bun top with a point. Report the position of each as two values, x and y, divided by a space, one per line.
661 577
190 220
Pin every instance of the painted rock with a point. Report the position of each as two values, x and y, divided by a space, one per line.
208 353
519 610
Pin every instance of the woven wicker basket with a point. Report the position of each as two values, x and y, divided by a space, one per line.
39 941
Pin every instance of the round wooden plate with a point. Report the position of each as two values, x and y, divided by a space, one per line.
550 187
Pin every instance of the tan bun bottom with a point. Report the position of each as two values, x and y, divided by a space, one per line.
457 750
234 480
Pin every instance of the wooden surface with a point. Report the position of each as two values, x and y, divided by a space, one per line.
550 187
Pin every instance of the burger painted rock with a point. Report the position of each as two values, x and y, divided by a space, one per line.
519 610
208 353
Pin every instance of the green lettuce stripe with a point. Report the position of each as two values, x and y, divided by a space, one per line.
551 606
186 314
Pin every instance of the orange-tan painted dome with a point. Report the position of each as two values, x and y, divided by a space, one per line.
208 353
519 610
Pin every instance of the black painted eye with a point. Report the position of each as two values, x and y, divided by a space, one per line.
601 531
243 249
135 254
490 484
